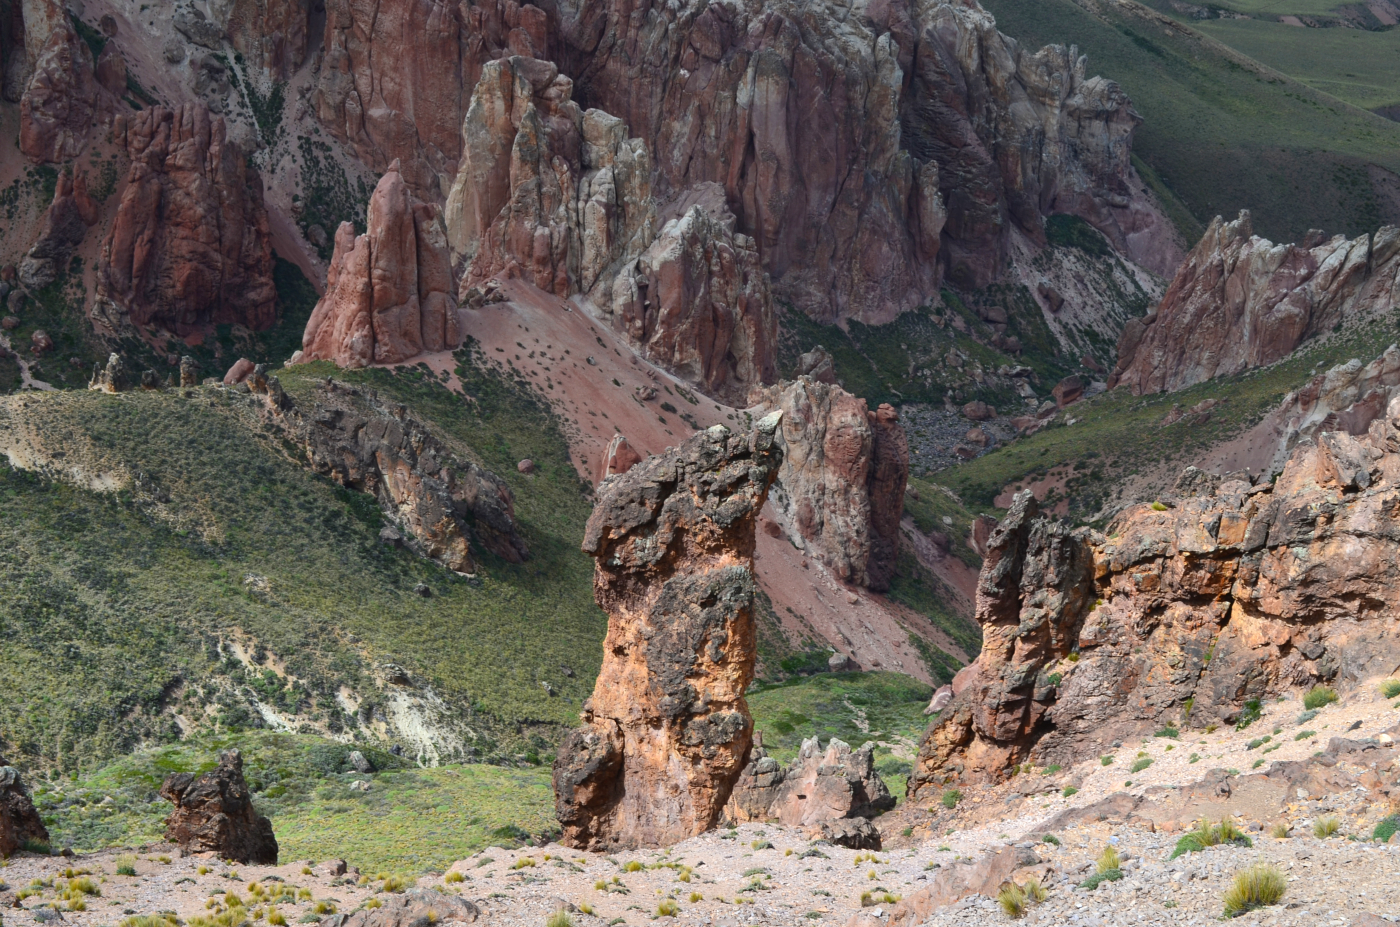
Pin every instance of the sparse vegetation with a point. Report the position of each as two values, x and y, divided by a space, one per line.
951 797
1258 886
1319 697
1390 688
1386 828
1326 826
1013 900
1206 834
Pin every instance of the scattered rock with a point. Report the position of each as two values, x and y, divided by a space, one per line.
413 908
214 814
40 342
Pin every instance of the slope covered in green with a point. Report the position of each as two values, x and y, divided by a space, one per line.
1221 132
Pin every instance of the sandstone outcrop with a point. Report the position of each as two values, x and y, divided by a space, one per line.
190 246
388 292
66 222
19 822
842 481
366 444
214 814
1188 608
667 730
1240 301
819 785
60 94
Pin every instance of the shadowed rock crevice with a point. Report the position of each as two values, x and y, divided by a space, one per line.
667 730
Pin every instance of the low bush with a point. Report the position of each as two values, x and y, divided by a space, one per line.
1319 697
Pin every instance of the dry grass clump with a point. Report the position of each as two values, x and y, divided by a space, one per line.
1326 826
1258 886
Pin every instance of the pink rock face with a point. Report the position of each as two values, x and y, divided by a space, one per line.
388 291
618 458
1240 301
61 94
841 485
397 77
697 301
239 372
190 245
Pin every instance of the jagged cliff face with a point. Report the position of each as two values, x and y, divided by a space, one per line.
1182 612
667 730
1240 301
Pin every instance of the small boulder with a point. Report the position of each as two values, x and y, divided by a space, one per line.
361 764
40 341
214 814
240 371
851 833
526 466
1069 390
9 323
838 663
940 700
979 411
817 364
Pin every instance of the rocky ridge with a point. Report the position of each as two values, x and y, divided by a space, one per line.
1240 301
667 732
1187 611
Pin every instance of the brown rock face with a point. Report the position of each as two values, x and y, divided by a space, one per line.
1232 592
388 291
271 34
363 443
214 814
60 94
1240 301
19 822
667 730
190 245
820 785
68 218
842 482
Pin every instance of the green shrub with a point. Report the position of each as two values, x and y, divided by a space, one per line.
1105 761
1258 886
1098 878
1168 731
1207 834
1253 710
1069 791
1051 839
1142 763
1304 735
1319 697
1386 828
950 799
1390 688
126 864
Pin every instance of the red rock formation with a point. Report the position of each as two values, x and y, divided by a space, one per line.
442 502
397 77
667 730
214 814
618 458
190 245
841 486
270 34
1228 592
60 95
819 785
19 822
66 222
697 301
388 291
1240 301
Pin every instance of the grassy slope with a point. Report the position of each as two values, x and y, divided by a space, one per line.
1119 435
1220 134
112 614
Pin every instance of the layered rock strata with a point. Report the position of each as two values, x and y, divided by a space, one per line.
1184 611
389 291
667 730
1240 301
190 246
20 823
842 481
819 785
214 814
441 501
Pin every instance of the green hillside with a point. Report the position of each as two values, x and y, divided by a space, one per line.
1220 131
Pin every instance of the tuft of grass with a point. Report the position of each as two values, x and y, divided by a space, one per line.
1326 826
1390 688
126 864
1141 763
1108 860
1012 899
1035 891
454 876
632 865
1206 834
667 908
1258 886
696 897
559 918
395 884
950 799
276 918
149 920
1319 697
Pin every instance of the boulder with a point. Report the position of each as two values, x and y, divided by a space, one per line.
819 785
214 813
979 411
619 457
388 292
190 245
20 824
851 833
1240 301
842 482
526 466
414 908
240 371
1069 390
667 731
817 364
40 342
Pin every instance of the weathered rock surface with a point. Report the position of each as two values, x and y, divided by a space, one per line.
190 246
1230 591
414 908
851 833
819 785
361 442
389 291
67 220
667 730
214 813
113 378
982 876
19 822
1240 301
841 486
270 34
60 92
